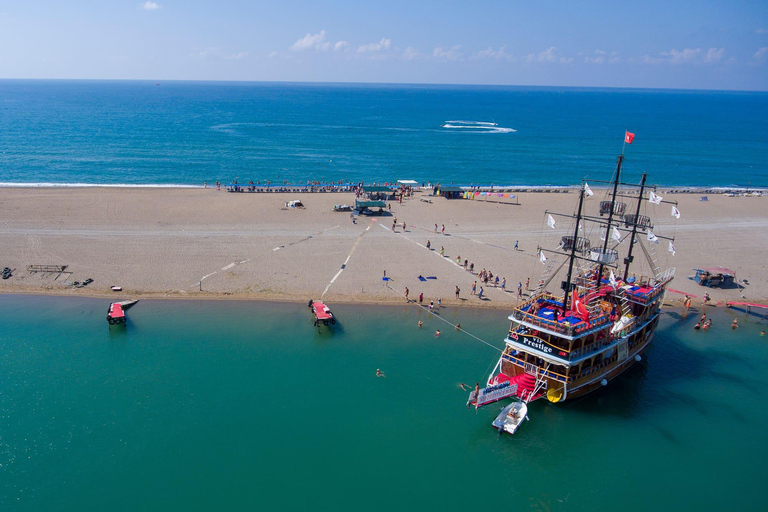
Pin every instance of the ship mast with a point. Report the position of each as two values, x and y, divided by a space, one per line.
629 257
610 218
567 284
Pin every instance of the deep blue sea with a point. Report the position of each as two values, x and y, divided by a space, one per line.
187 133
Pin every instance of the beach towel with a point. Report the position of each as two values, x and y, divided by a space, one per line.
422 278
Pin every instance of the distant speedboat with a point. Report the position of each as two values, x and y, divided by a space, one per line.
321 313
510 417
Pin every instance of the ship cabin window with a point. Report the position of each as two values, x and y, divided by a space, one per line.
558 368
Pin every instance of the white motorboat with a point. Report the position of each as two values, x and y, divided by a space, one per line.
511 417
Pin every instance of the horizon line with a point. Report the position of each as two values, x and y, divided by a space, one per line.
159 81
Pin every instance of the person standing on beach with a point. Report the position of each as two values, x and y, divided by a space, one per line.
519 289
421 298
527 283
516 245
435 228
471 267
443 231
474 287
406 294
442 251
480 293
429 245
504 284
458 290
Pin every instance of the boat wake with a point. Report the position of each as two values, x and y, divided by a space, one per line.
476 127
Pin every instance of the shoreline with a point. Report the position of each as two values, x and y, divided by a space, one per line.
668 189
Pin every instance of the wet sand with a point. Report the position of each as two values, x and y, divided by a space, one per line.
203 243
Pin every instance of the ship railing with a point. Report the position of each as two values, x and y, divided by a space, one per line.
547 373
563 328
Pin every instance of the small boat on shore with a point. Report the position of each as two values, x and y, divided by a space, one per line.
321 313
510 417
116 311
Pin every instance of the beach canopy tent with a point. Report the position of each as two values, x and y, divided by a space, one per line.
378 191
407 182
369 204
450 192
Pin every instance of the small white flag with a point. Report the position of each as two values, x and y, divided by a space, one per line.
655 199
672 248
542 258
652 237
616 235
675 212
550 221
612 280
588 191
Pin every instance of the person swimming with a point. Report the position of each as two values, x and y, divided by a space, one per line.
437 333
379 373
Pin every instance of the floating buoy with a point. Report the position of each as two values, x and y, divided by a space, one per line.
603 382
638 358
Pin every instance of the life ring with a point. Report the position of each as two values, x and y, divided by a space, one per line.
111 320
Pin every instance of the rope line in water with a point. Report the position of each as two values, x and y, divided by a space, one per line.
460 329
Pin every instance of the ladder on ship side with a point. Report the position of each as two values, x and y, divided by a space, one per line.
626 309
652 257
548 274
540 382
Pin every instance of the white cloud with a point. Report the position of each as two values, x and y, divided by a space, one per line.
762 54
687 56
410 53
340 46
215 52
761 31
384 44
311 42
150 6
451 53
272 55
714 54
549 55
490 53
236 56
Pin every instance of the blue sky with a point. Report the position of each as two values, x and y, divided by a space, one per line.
671 44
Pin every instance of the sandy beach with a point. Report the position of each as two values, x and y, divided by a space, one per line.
204 243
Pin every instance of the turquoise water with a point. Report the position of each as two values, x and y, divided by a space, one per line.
243 405
185 133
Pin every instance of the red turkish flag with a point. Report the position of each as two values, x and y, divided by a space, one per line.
629 137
